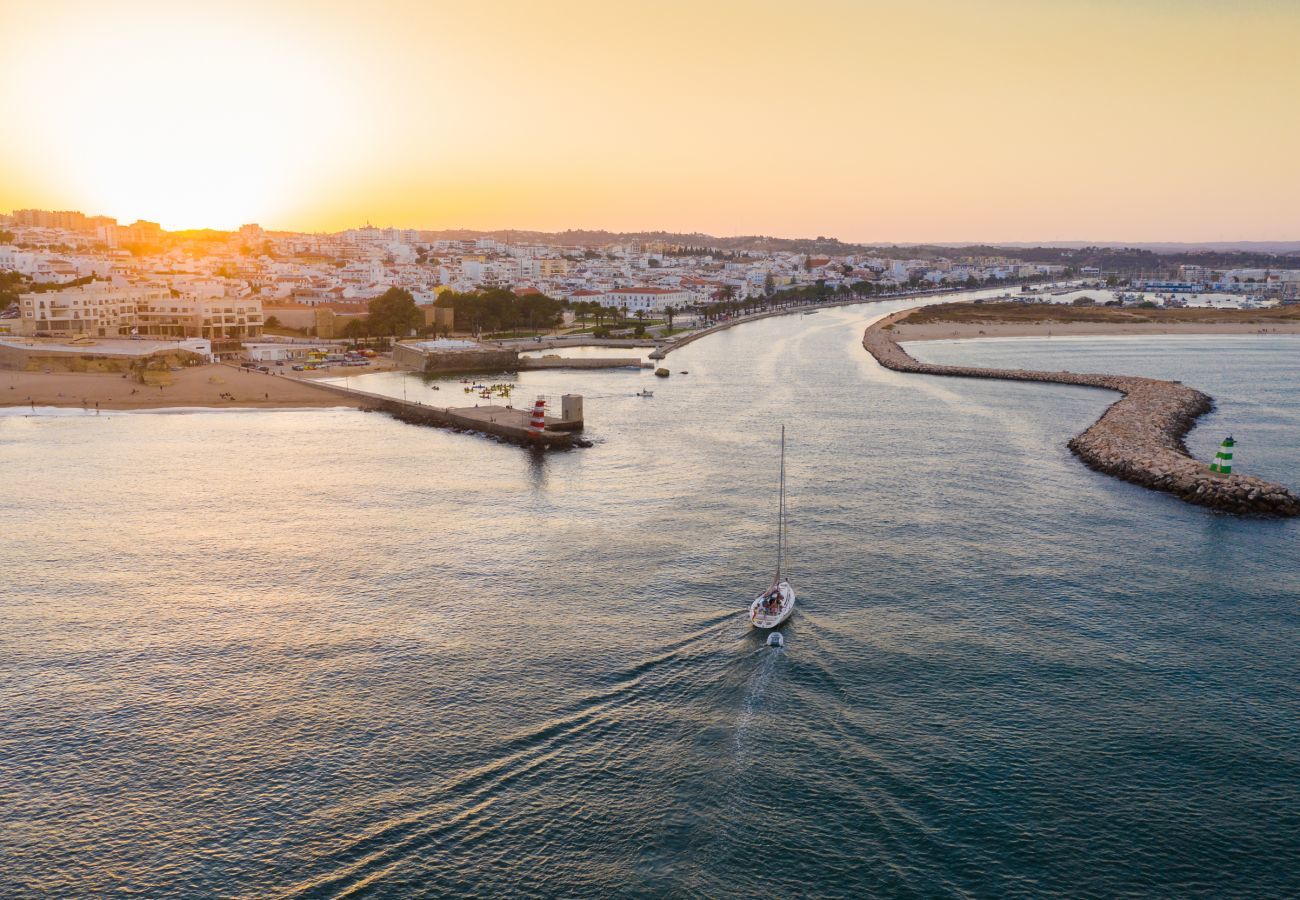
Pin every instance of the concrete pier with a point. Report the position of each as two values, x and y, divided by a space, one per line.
1138 439
500 421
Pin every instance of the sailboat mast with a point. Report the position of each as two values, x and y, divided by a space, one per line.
780 515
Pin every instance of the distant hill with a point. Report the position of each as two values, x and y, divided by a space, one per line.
1237 251
584 238
1266 247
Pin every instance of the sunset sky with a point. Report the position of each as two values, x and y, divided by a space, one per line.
875 121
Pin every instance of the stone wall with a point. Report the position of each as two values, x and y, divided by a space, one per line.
1138 439
37 359
485 360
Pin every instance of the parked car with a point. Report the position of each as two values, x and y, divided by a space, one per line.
263 369
299 368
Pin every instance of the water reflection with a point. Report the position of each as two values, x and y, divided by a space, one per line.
326 652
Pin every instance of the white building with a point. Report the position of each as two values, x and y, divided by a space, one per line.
649 299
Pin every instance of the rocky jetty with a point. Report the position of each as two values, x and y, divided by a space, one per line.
1138 439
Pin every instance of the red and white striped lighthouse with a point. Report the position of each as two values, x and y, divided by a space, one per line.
538 421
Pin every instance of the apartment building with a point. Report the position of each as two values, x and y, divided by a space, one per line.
218 319
102 309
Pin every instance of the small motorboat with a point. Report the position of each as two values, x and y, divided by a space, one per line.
645 393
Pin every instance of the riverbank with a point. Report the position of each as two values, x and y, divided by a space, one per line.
216 386
685 339
1139 438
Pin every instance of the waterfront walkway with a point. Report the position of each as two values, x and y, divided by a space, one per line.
500 421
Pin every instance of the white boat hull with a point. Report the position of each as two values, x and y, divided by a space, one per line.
762 618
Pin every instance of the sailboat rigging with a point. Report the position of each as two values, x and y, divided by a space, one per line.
774 606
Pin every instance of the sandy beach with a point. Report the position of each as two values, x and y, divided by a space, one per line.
949 321
218 386
938 331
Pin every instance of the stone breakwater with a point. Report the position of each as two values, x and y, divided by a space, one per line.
1138 439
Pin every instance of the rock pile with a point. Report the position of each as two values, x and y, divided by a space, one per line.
1138 439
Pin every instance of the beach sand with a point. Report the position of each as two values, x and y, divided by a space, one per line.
940 331
198 386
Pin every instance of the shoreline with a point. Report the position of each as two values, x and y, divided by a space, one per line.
904 332
1138 439
69 412
685 339
216 386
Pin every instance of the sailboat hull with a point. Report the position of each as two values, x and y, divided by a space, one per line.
763 619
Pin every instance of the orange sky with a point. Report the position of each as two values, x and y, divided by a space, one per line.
875 121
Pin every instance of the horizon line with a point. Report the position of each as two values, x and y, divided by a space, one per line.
964 242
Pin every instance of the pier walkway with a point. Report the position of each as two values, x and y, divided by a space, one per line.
500 421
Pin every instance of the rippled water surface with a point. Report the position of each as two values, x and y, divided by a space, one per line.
324 653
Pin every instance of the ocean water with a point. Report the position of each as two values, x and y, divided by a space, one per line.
323 653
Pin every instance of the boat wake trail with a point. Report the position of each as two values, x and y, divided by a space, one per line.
472 809
755 693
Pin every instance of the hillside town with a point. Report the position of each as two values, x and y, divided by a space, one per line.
78 274
67 275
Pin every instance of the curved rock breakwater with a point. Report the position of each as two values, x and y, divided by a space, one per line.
1138 439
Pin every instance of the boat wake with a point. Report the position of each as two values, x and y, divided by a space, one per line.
475 805
752 705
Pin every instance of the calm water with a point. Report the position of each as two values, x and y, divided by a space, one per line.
324 653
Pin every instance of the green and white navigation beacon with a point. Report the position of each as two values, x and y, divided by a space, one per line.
1223 459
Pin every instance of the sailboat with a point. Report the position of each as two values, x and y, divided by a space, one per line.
774 605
